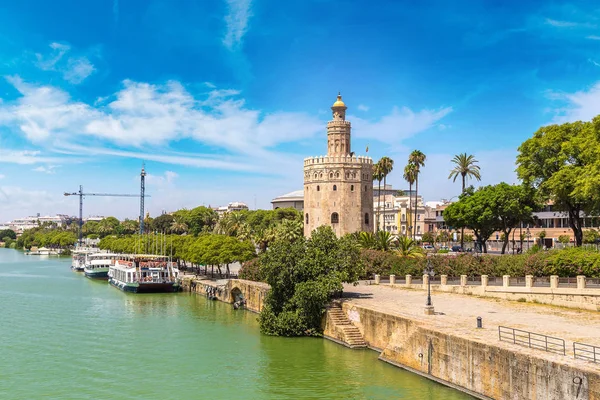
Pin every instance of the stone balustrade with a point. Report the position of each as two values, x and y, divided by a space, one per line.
577 293
340 159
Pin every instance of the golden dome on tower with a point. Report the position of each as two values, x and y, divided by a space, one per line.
339 102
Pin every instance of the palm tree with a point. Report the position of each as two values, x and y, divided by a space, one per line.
384 240
409 176
465 167
386 165
408 248
418 159
366 240
378 176
178 227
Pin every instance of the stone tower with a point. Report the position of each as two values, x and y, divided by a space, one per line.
338 187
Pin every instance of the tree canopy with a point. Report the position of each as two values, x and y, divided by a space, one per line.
563 163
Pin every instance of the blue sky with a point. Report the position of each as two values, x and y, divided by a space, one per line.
223 99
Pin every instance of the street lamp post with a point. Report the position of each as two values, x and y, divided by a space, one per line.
429 272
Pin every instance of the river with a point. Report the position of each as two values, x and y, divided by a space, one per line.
67 337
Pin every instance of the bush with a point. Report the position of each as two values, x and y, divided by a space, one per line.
251 271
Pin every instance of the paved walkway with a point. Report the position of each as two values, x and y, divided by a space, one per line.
456 314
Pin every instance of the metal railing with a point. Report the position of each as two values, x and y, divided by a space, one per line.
586 352
532 340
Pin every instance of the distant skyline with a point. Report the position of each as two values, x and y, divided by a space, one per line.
222 100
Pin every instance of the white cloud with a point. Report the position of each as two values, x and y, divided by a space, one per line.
159 180
362 107
236 22
78 68
48 169
401 124
593 37
26 157
16 201
145 114
579 106
561 24
74 69
2 176
594 62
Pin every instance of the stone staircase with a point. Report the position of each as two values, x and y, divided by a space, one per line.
349 334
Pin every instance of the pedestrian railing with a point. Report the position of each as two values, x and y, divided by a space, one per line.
586 352
532 340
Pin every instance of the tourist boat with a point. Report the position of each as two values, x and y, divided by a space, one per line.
80 256
97 265
145 274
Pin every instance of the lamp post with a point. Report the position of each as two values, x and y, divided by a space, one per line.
429 272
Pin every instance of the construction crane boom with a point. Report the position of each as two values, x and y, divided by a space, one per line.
81 195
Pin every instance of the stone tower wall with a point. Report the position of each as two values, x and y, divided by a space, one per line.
352 198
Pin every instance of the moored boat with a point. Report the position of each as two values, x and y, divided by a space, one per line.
97 265
79 258
145 274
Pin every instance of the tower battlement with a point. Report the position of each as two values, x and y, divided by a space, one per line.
338 159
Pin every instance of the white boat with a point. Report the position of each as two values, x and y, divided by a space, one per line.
98 264
145 273
80 257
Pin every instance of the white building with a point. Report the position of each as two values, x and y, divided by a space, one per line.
233 206
21 224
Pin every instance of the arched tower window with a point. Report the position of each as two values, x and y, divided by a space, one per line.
331 175
335 218
337 174
365 188
352 188
334 188
318 188
306 218
366 218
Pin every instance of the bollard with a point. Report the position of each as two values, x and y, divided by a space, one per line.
408 279
463 280
479 323
425 281
443 280
580 281
528 281
505 281
392 279
377 279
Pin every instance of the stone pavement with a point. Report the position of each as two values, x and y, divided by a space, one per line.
456 314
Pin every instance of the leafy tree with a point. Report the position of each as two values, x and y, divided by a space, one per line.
129 227
304 275
417 158
384 241
162 223
512 205
367 240
474 210
562 163
428 237
8 233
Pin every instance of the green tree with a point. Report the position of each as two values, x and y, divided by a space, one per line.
367 240
474 210
428 237
410 175
378 176
466 167
8 233
512 205
564 239
417 158
162 223
129 226
304 275
562 163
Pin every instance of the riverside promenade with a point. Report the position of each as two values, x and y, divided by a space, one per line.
448 346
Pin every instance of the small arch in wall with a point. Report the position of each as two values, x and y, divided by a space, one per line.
352 188
334 188
335 218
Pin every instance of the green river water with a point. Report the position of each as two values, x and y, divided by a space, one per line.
67 337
